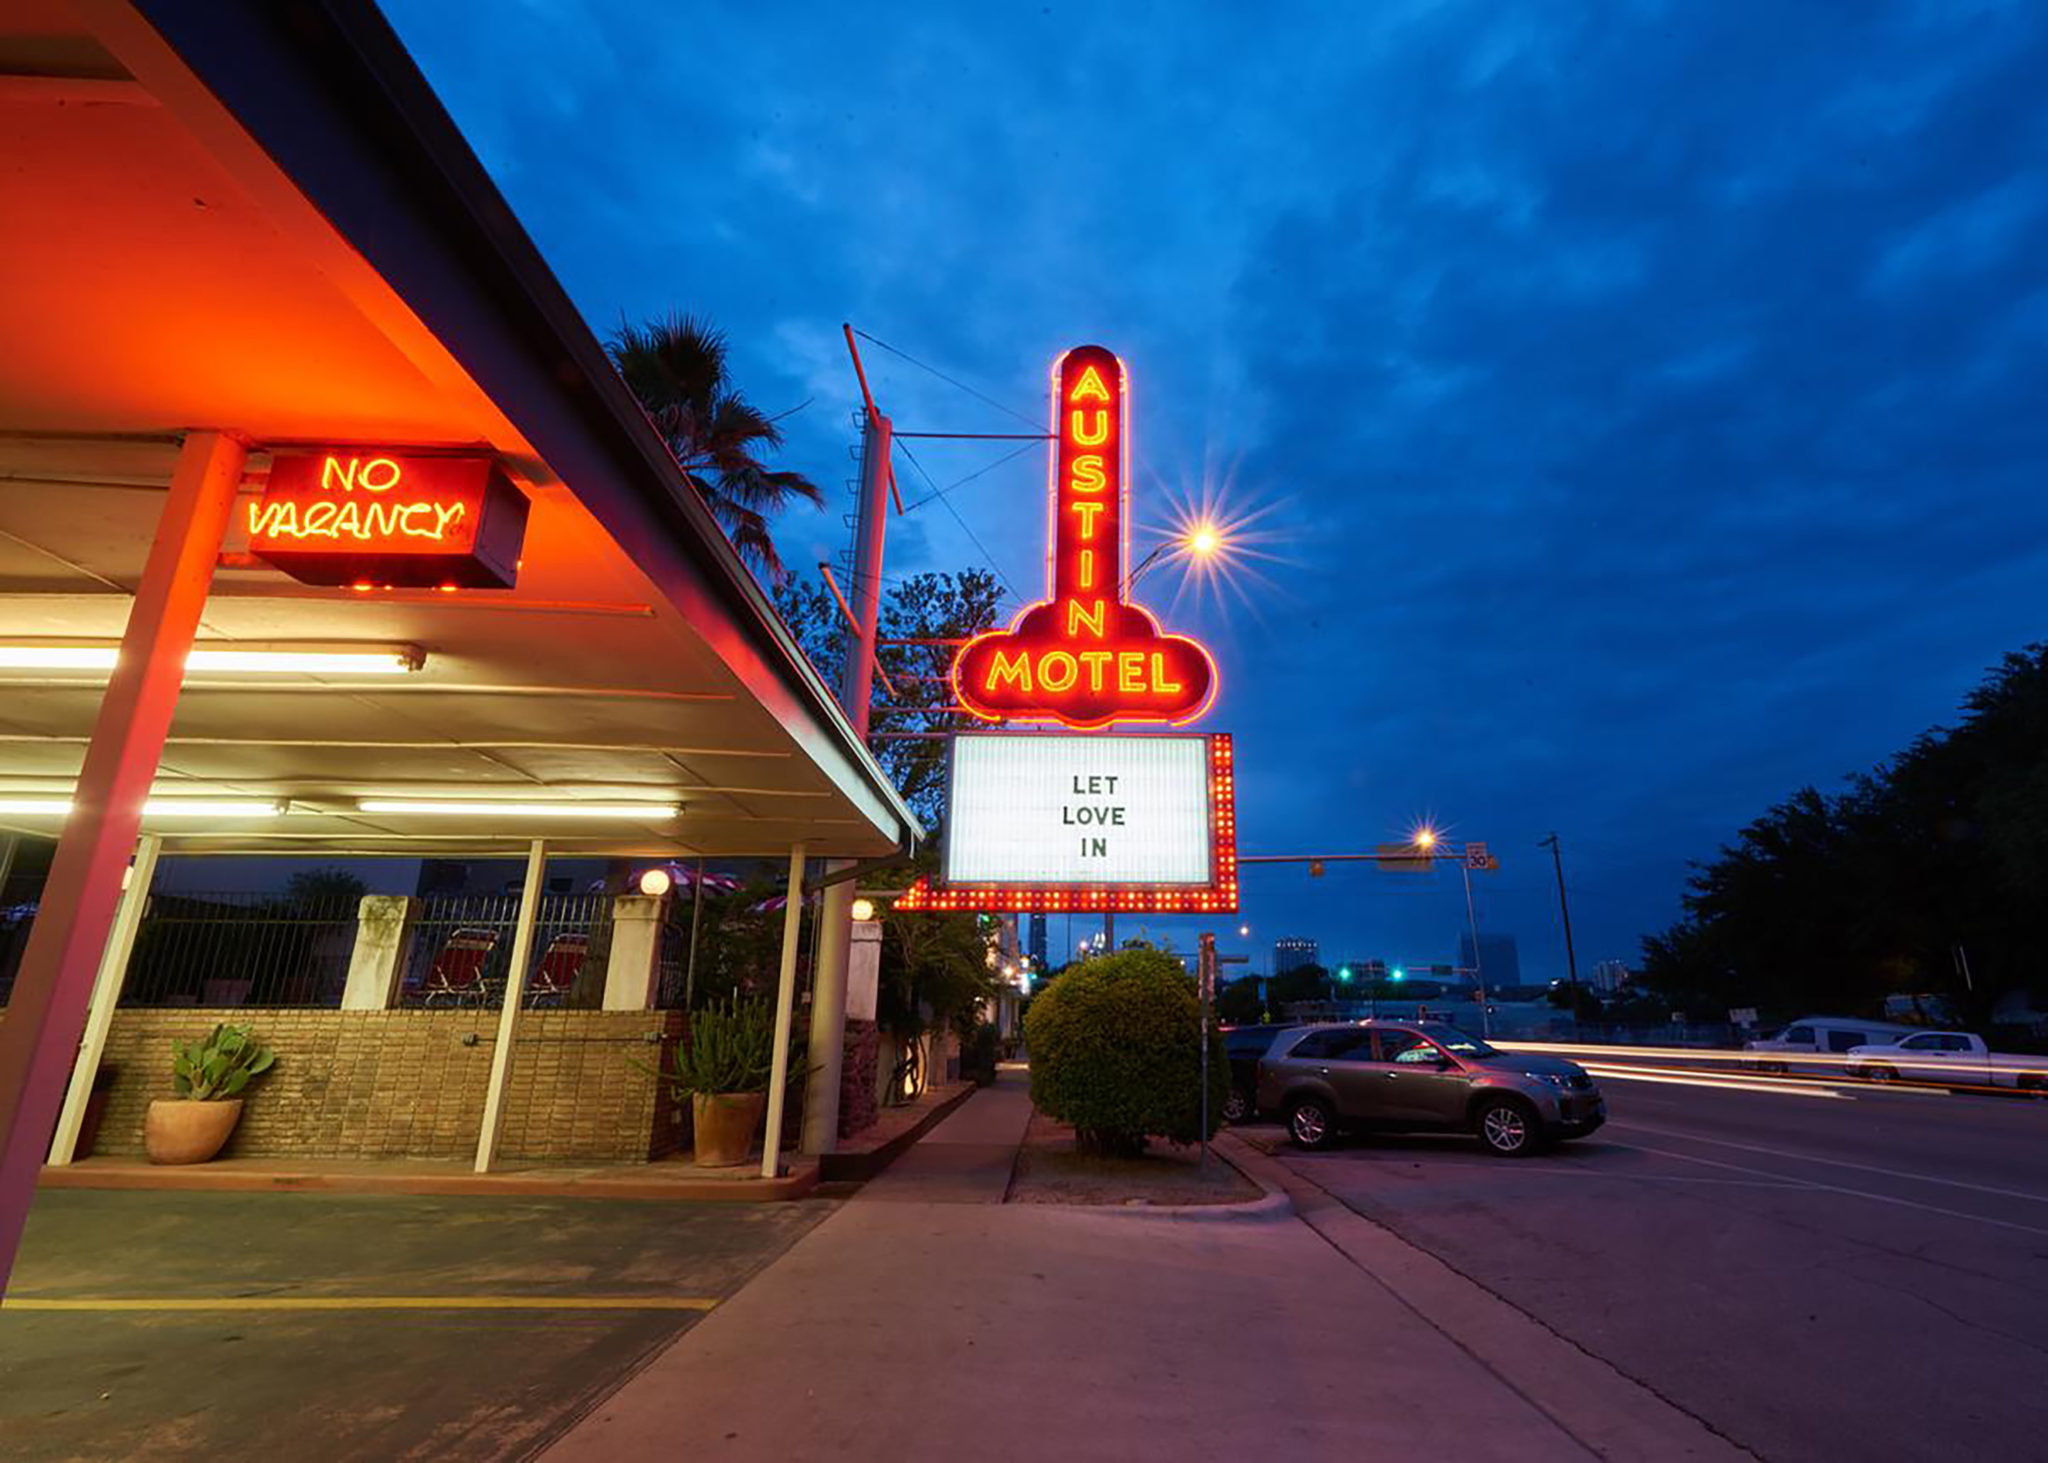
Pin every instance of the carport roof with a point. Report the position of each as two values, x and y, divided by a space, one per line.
258 218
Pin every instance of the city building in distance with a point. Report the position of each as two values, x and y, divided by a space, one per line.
1291 952
1609 976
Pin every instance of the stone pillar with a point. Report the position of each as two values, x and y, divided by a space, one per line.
633 972
864 970
384 926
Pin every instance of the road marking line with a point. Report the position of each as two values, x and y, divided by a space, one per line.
1891 1173
362 1303
1840 1189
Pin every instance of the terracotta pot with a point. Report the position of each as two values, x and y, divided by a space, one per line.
179 1130
726 1123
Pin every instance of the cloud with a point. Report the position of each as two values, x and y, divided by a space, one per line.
1654 410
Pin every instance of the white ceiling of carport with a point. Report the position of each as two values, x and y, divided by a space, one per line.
172 281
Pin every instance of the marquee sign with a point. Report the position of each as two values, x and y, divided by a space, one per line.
355 516
1085 656
1089 824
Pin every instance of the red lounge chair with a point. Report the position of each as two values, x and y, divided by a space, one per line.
559 968
457 976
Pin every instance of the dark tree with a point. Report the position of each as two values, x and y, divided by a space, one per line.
925 607
1832 901
677 368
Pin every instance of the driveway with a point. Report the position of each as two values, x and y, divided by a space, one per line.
165 1325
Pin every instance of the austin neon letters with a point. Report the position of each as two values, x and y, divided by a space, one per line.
1085 656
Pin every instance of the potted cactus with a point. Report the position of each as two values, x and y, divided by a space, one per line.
211 1076
724 1068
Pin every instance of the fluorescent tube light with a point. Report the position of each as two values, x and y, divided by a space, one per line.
396 661
58 807
427 808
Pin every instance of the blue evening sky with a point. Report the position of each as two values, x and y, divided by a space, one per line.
1643 402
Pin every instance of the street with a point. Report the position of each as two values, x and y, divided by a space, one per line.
1828 1272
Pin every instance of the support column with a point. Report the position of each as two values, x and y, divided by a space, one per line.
39 1038
508 1014
106 995
376 966
632 969
856 689
785 1014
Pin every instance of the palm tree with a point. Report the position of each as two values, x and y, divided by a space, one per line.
676 366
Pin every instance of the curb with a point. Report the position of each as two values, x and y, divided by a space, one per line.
859 1167
1274 1202
800 1181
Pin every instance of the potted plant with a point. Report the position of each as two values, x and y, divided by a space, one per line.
724 1068
210 1076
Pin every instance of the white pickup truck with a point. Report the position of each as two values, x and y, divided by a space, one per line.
1949 1059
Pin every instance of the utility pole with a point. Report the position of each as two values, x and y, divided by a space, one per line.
827 1047
1478 965
1564 908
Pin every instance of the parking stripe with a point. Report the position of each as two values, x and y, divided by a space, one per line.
362 1303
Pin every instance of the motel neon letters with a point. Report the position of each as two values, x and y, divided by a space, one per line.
1085 656
361 517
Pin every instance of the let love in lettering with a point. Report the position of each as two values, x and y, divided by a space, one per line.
1093 814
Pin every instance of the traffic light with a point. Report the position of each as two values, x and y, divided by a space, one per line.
1399 973
1344 974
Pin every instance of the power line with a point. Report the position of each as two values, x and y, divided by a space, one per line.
947 504
963 482
961 385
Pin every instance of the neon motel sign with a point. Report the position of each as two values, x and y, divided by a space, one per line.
1085 656
1088 823
357 517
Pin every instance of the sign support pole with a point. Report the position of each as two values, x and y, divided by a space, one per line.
1478 963
827 1047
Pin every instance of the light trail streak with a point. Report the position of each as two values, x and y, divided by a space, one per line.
1707 1079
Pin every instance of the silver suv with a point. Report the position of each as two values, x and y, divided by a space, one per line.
1419 1076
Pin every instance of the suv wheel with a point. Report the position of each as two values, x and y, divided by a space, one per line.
1506 1127
1311 1124
1236 1106
1879 1072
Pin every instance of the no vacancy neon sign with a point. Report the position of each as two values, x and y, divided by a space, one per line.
1085 656
357 517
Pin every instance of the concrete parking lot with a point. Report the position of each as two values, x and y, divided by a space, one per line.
143 1326
1841 1273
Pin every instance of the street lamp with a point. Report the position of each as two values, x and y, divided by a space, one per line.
1425 838
1202 541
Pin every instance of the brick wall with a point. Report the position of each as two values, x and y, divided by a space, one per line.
386 1084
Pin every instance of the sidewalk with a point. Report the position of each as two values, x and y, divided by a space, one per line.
928 1319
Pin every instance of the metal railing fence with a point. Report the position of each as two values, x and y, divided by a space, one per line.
241 950
461 950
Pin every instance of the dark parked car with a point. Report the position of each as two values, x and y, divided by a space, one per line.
1394 1076
1246 1044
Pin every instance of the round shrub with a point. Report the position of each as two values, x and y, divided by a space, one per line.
1115 1053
